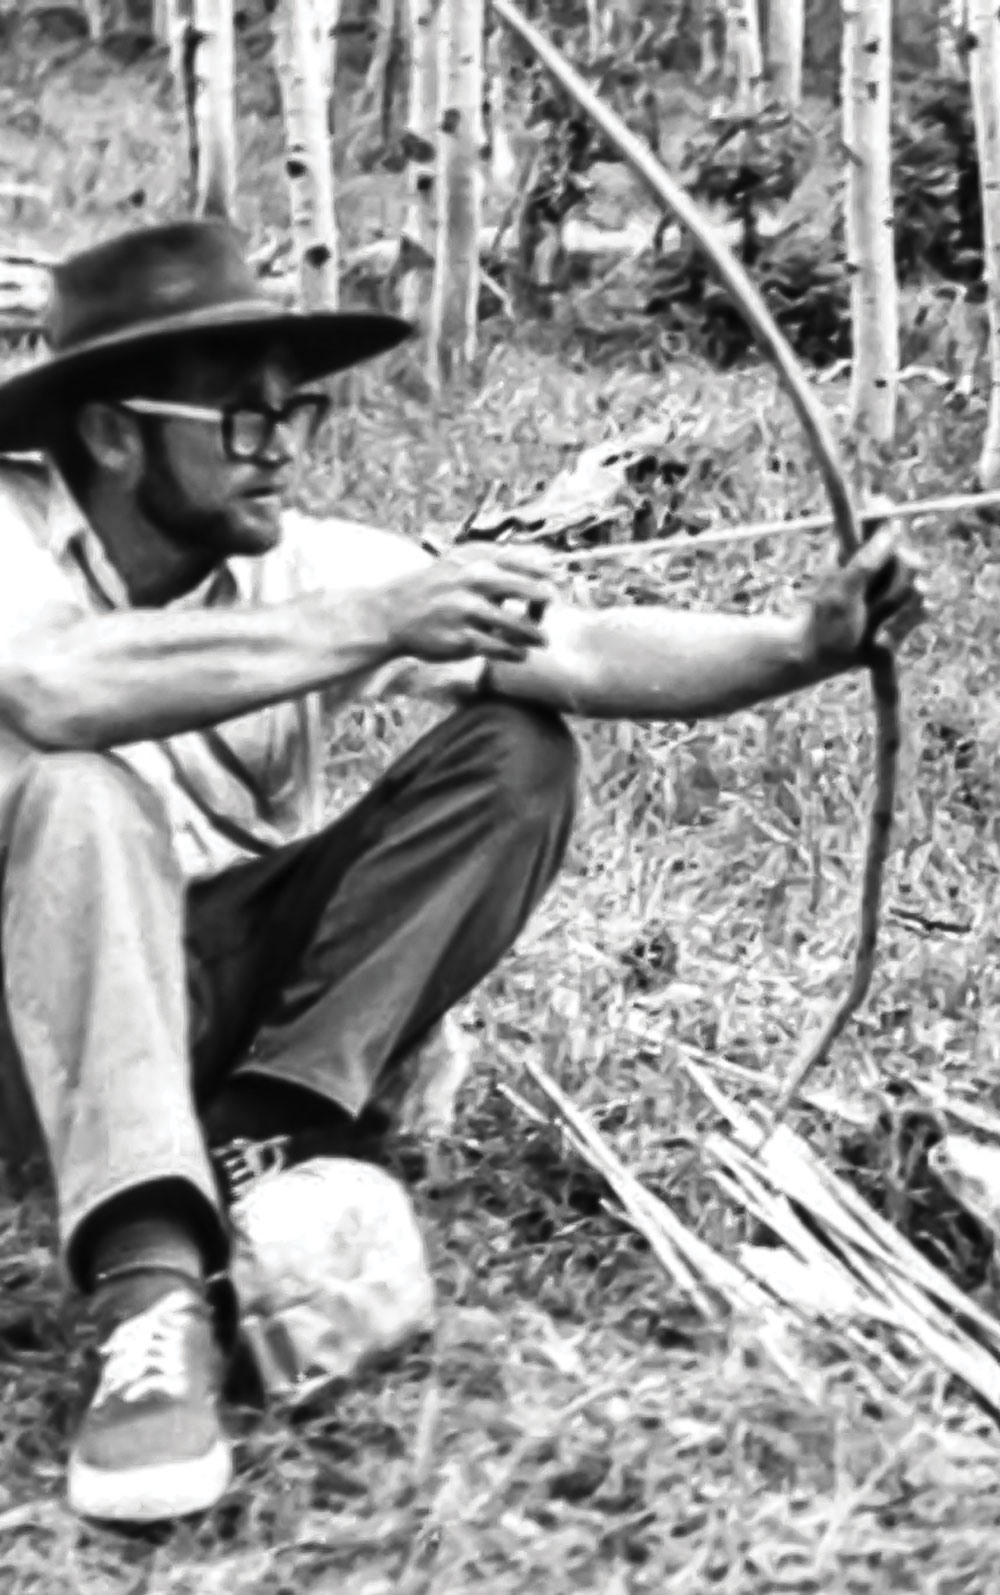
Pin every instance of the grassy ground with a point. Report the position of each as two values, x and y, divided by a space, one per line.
573 1428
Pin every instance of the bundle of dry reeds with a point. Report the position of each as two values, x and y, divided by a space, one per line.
847 1269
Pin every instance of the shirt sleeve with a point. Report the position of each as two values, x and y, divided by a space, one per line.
334 555
34 591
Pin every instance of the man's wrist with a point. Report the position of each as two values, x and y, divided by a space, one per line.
357 625
810 663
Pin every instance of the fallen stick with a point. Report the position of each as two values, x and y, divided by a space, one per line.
685 543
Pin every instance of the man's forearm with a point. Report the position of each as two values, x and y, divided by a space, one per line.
98 683
648 663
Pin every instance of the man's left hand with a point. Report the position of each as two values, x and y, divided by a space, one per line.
874 597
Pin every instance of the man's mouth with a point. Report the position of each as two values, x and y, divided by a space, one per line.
265 491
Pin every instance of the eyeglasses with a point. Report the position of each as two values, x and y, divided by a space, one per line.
248 430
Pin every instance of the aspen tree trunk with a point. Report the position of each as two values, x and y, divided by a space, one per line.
952 35
160 20
710 23
420 142
455 298
503 167
169 27
93 10
302 60
744 58
867 80
328 16
786 37
209 90
984 70
595 29
373 92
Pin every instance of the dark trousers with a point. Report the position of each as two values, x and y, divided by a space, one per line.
327 961
131 1000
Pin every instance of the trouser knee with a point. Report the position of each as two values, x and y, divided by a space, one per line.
532 760
76 793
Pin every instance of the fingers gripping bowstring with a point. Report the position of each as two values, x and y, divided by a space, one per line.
673 200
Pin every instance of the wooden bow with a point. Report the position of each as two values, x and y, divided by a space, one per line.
673 199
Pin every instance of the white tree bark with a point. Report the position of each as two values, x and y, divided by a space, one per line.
160 18
170 21
711 22
595 28
786 37
93 10
375 78
503 166
744 57
867 81
302 59
952 34
208 52
423 22
328 16
984 70
455 299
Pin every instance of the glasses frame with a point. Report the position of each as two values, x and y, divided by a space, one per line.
224 418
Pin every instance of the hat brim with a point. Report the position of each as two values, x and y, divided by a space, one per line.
319 344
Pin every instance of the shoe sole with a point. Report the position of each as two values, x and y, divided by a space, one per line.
152 1494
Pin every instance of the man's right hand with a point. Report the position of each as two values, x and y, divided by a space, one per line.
454 608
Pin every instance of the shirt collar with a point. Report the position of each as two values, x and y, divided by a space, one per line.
67 525
64 519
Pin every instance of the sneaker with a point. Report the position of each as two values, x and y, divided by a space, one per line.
151 1446
240 1164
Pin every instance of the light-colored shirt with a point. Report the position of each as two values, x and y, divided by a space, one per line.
254 783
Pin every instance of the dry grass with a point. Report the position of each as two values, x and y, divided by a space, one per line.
575 1427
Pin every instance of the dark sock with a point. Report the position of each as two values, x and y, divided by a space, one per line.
140 1245
255 1108
137 1262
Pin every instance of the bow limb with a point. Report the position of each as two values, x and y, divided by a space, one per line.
672 198
885 695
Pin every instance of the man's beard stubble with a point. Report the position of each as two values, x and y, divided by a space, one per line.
168 508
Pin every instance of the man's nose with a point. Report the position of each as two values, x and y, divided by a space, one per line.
279 450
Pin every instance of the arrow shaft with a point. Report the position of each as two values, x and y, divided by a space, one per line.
947 504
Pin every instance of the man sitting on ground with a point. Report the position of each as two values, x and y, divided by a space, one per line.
193 952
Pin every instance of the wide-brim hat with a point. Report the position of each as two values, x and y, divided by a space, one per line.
113 307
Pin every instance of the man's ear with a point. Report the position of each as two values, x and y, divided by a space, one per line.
113 439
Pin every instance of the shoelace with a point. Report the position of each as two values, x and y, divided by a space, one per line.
144 1356
244 1162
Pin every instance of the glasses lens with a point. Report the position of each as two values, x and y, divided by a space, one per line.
252 431
249 432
